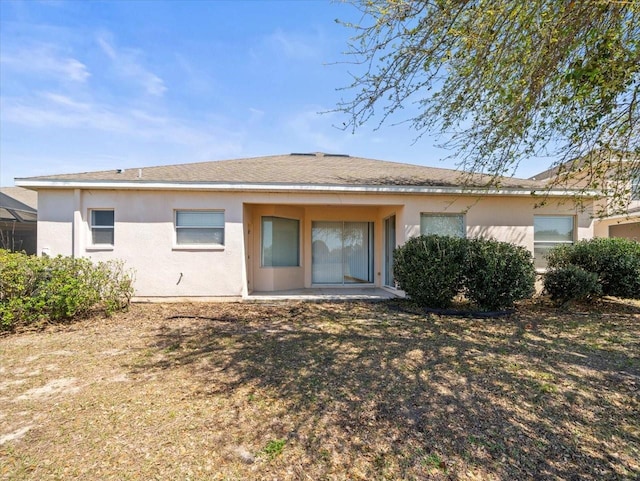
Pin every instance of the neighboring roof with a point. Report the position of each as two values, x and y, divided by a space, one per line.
18 204
581 166
314 169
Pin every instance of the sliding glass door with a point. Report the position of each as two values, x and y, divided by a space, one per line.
342 252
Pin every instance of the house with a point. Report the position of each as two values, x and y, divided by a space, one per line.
624 225
18 219
609 222
229 228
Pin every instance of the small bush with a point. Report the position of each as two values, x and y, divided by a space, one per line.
429 269
42 289
615 261
571 283
497 274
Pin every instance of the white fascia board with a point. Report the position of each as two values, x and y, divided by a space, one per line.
242 187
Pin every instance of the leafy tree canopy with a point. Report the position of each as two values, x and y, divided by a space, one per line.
504 81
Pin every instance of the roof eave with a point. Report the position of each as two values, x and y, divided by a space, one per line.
281 187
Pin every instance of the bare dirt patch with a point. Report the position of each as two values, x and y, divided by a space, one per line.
324 391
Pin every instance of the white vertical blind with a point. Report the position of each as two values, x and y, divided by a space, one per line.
280 242
389 247
326 252
342 252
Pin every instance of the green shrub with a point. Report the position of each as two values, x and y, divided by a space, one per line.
19 274
433 269
42 289
496 274
571 283
115 285
429 269
615 261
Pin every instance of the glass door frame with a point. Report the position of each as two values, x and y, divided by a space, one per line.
389 245
349 257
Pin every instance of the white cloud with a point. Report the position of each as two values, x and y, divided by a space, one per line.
294 46
316 130
53 110
66 101
127 64
106 136
196 79
45 59
255 115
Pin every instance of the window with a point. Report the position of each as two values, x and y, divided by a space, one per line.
549 232
102 227
280 242
199 227
442 224
635 188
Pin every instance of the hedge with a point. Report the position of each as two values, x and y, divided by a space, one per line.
615 262
42 289
493 275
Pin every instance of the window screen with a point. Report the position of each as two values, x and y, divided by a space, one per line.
442 224
199 227
102 227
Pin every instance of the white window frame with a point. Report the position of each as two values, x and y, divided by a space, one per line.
202 245
262 239
540 263
441 214
635 188
93 228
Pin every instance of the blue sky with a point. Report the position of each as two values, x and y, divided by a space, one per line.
87 85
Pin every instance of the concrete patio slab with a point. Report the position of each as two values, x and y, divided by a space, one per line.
323 294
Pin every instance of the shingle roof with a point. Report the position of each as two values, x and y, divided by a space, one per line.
292 169
581 168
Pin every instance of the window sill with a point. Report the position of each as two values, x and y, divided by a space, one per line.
197 247
280 267
97 248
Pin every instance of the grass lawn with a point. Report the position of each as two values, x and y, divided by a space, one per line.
312 391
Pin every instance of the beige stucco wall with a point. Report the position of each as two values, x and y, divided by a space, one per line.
629 231
145 233
628 227
55 222
273 278
145 239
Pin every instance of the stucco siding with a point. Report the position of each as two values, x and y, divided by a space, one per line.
507 219
55 222
628 231
628 227
145 238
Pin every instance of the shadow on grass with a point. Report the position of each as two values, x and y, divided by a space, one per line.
396 395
